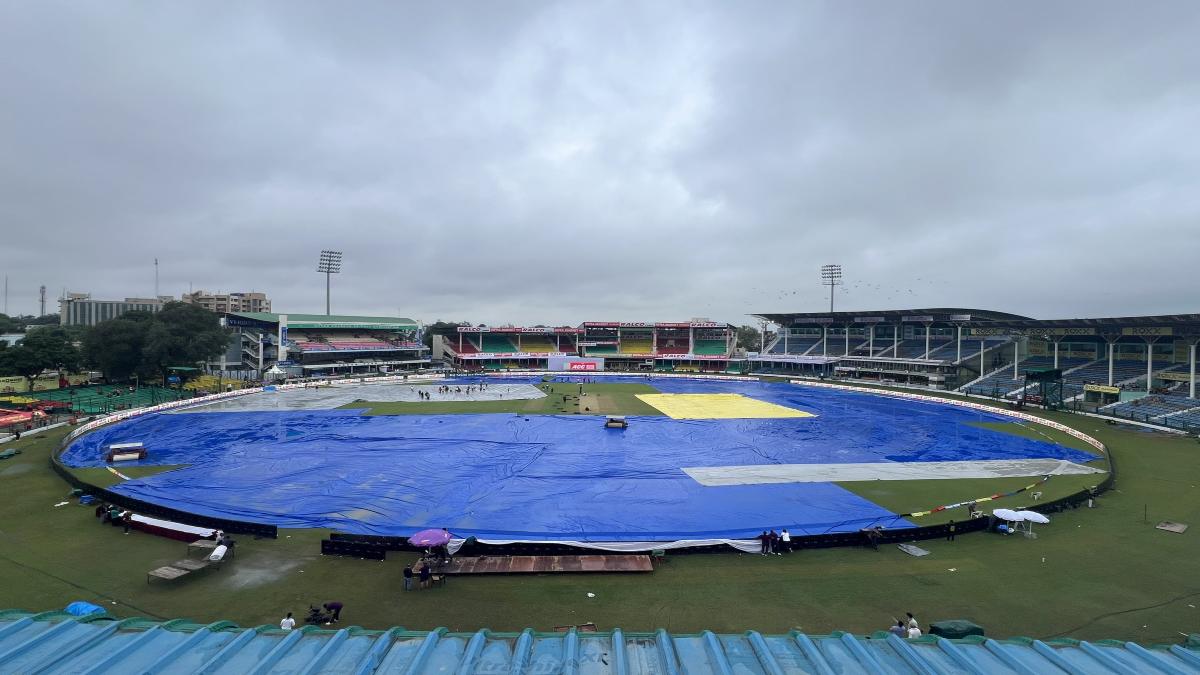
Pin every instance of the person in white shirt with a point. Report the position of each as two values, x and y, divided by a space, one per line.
785 540
288 622
914 632
912 620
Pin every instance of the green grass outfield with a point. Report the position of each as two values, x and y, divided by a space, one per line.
1092 573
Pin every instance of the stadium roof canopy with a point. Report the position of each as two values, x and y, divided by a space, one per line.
893 315
54 642
1181 323
322 321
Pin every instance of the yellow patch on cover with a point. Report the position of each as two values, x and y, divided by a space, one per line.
717 407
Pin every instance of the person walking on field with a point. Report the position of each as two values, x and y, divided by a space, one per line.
785 541
765 541
288 622
408 577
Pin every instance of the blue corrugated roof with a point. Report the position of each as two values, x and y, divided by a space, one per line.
54 642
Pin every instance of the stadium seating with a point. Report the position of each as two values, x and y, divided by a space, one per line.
496 343
709 347
1151 407
1097 373
637 346
672 346
601 350
468 345
538 344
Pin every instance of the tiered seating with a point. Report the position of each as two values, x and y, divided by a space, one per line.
672 346
567 344
912 349
1188 419
1152 406
795 345
709 347
538 344
637 346
468 346
1097 373
944 351
496 343
601 350
1002 382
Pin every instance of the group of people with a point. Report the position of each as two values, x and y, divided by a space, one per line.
333 614
906 629
113 515
775 543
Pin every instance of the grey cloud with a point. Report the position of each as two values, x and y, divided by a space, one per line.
554 163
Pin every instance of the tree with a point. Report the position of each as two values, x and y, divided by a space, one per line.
182 334
442 328
114 347
748 338
8 324
39 350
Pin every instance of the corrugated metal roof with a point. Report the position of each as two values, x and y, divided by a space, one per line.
54 642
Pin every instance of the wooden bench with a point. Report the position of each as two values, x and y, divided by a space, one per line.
166 572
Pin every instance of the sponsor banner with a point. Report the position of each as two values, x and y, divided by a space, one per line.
601 324
1175 376
706 324
918 318
693 357
636 324
1148 331
1102 388
868 319
995 331
1071 331
810 320
13 384
575 364
597 343
672 325
960 317
474 329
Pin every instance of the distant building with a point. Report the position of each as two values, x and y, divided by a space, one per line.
79 309
223 303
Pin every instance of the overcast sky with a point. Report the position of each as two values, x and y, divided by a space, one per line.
555 163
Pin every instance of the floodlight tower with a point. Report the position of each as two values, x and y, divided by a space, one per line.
329 263
831 275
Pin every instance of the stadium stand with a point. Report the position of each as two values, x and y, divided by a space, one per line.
672 346
1151 407
639 346
538 344
1124 371
601 350
467 346
495 343
709 347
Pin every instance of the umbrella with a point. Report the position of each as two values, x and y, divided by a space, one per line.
1033 517
430 538
1009 515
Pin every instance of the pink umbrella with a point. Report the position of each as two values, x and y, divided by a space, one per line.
430 538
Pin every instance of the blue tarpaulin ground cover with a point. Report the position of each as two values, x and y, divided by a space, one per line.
547 477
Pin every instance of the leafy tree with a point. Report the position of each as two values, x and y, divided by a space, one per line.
748 338
44 320
182 334
8 324
115 347
442 328
42 349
